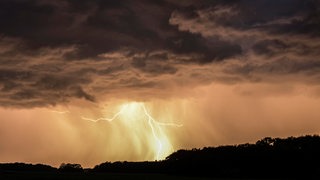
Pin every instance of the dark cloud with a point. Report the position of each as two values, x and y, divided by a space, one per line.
310 69
301 17
16 75
154 63
209 50
53 51
19 87
269 47
100 26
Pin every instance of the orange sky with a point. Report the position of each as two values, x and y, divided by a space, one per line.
214 115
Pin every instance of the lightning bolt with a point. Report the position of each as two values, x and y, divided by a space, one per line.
59 112
153 124
106 119
150 121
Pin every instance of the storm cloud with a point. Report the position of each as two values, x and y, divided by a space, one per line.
228 71
52 52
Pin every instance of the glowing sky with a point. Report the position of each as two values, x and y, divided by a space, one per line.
89 81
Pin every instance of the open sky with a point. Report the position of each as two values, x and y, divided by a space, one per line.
89 81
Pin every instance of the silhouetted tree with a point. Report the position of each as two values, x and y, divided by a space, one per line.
268 157
26 167
267 141
70 167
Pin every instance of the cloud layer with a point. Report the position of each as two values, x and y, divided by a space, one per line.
52 52
230 71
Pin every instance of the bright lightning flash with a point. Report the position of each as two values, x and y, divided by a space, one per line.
106 119
59 112
133 113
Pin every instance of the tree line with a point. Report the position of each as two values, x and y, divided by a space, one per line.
267 158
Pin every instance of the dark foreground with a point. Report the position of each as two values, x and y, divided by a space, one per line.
106 176
269 158
89 176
